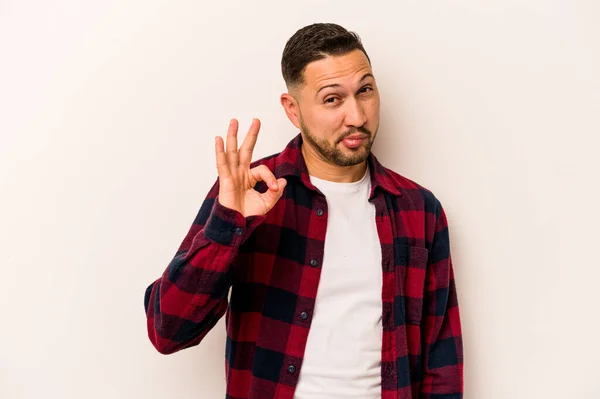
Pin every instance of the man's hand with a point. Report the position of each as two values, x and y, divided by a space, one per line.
237 180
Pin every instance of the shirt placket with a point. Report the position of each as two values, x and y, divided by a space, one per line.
389 352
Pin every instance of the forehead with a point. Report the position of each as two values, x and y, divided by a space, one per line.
336 69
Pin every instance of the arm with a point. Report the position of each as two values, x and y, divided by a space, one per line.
442 336
186 302
191 296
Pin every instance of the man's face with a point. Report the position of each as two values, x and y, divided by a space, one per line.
339 108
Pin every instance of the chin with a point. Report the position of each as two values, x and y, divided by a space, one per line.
353 158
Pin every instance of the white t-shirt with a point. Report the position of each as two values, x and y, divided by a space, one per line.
343 351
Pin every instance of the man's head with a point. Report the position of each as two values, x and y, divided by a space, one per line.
332 96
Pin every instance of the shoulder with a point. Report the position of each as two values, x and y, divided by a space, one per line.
414 195
422 209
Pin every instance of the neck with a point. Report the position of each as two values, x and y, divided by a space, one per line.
321 169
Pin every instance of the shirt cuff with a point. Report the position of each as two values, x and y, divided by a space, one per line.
229 227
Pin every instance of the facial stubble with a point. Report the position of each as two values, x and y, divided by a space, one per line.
332 153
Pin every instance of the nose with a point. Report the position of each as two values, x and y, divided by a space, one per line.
355 115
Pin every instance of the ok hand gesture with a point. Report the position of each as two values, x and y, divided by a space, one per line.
237 180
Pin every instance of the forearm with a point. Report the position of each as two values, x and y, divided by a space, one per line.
190 297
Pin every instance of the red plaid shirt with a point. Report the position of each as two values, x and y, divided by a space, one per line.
272 264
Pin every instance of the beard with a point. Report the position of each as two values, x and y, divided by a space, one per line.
333 154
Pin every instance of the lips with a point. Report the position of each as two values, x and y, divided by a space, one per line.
356 136
354 140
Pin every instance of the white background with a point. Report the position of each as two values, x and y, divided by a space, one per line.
108 111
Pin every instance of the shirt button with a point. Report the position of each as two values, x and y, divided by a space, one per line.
320 212
314 263
239 231
291 369
304 315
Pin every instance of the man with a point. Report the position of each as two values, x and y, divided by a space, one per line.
341 279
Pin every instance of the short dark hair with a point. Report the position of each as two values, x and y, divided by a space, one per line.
312 43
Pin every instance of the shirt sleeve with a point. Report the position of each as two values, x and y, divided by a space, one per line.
442 336
190 297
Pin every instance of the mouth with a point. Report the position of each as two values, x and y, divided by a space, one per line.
354 140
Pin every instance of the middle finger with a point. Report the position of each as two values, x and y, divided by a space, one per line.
232 150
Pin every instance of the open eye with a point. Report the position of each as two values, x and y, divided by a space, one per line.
365 89
330 100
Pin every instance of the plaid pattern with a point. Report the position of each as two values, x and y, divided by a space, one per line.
273 264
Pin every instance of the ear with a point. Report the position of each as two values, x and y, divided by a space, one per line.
291 107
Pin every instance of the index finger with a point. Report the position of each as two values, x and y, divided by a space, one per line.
249 142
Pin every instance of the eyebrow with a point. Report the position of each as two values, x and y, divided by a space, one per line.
366 75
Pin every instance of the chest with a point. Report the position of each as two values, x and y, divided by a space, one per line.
380 240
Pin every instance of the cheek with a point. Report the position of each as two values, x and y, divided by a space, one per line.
374 105
327 120
372 111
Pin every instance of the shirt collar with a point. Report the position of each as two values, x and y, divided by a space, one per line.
290 162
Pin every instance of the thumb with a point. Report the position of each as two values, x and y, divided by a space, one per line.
273 195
